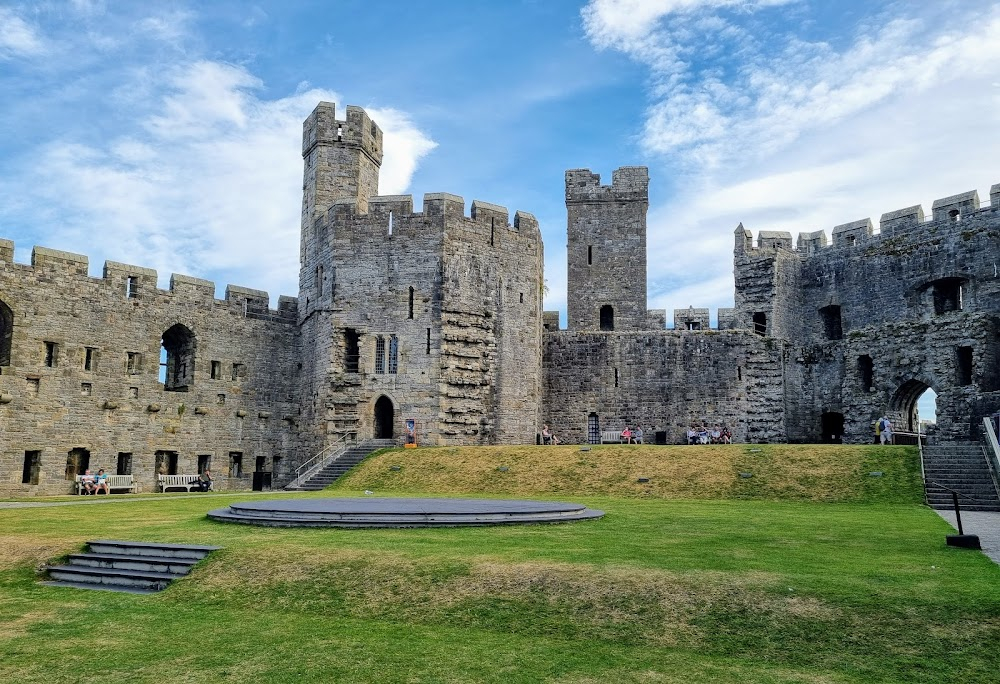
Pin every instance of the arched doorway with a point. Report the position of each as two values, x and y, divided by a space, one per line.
904 404
832 426
384 418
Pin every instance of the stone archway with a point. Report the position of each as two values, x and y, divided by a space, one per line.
384 418
903 405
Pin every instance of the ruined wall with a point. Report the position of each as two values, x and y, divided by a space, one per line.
53 399
606 248
664 381
878 317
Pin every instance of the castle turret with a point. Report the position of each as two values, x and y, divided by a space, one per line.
606 249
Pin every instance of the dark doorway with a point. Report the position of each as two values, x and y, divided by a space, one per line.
77 463
593 429
832 322
384 418
124 463
904 405
607 317
166 463
832 427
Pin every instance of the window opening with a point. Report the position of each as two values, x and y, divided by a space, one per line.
90 359
204 463
260 463
739 373
760 323
6 333
832 323
132 362
351 351
607 317
33 385
492 231
590 255
77 462
132 288
220 399
86 389
239 371
124 463
428 340
693 325
390 223
953 215
165 463
411 304
51 351
947 295
616 377
235 464
849 240
319 280
866 369
520 297
380 354
393 354
32 467
965 365
178 343
133 392
217 370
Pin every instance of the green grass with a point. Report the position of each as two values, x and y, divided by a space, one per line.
742 588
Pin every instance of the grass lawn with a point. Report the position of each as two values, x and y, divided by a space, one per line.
752 585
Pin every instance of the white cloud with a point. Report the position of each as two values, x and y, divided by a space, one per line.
208 184
17 37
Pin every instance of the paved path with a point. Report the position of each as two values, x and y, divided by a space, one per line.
982 523
97 500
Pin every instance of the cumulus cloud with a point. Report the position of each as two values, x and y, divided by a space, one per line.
17 37
209 183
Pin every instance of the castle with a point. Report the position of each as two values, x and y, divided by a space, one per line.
435 317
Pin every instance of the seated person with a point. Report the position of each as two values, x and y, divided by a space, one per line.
87 480
727 436
716 435
547 436
101 482
627 435
205 481
637 435
692 435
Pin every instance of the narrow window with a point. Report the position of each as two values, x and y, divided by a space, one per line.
411 304
760 323
239 371
393 354
428 340
616 377
124 463
492 231
217 370
235 464
351 351
319 280
965 365
739 373
220 399
590 255
849 240
132 288
390 223
33 386
521 297
132 363
204 463
90 359
607 317
953 215
77 462
380 354
86 389
6 333
178 347
51 354
866 369
832 323
133 392
32 467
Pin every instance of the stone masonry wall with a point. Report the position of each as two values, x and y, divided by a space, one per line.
56 405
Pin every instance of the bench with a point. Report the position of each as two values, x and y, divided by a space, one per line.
126 482
611 437
185 481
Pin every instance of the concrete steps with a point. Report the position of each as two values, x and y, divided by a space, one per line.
350 458
961 467
133 567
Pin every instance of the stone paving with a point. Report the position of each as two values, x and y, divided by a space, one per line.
984 524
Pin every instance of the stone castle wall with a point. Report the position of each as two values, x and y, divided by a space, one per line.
54 399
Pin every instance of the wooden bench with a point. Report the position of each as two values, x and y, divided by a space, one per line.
611 437
186 481
126 482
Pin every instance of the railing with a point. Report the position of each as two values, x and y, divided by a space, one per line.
320 460
992 454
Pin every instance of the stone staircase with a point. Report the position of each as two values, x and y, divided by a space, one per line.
960 466
128 566
350 458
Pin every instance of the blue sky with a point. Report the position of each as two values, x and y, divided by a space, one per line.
166 134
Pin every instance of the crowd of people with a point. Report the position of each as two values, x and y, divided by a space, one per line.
702 434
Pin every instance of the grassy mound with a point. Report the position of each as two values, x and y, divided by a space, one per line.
830 473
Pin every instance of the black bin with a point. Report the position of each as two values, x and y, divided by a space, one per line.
262 481
661 436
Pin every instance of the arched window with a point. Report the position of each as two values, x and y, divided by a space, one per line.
607 317
177 358
6 333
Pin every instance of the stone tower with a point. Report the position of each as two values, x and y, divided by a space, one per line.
606 249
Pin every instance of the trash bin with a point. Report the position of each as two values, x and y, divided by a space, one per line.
262 481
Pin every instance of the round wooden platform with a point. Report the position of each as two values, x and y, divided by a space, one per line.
403 512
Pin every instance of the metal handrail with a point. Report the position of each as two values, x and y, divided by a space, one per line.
325 455
994 451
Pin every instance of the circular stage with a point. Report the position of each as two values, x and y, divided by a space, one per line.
387 512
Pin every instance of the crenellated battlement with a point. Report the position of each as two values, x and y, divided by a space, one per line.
954 213
322 127
628 184
138 283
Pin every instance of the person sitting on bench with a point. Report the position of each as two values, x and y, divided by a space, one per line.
101 482
205 481
548 437
87 480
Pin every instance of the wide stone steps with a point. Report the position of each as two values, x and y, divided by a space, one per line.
134 567
963 468
350 458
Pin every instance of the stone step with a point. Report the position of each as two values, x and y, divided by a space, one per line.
137 579
175 566
97 587
133 548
